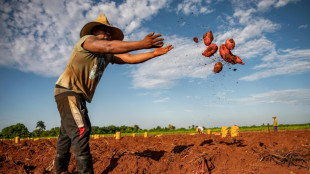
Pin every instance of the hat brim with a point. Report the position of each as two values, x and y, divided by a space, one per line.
117 34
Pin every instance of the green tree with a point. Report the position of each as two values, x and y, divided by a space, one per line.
54 131
136 128
171 127
15 130
41 125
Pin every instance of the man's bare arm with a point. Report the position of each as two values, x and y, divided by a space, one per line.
97 44
127 58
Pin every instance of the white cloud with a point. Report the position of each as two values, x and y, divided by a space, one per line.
163 100
251 49
265 4
282 3
193 7
185 60
38 36
282 62
290 96
302 26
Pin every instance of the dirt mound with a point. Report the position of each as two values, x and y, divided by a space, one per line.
250 152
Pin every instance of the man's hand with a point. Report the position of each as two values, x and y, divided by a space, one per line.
164 50
152 41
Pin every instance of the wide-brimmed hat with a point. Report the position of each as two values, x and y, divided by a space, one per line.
117 34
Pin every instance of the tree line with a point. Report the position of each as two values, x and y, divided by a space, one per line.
22 131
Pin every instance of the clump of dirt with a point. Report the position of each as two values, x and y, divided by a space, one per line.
195 39
250 152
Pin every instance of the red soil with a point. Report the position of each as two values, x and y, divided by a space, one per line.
250 152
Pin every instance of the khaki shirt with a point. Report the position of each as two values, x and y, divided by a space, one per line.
83 71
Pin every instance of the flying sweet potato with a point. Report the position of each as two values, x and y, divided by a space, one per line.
223 51
230 44
238 60
218 67
195 39
210 50
208 38
227 55
230 58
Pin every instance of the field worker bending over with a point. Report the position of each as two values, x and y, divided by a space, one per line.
275 123
200 129
100 44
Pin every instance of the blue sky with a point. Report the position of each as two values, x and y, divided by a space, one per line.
272 38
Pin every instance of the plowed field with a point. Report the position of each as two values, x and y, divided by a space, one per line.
251 152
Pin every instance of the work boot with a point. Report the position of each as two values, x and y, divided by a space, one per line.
62 163
84 164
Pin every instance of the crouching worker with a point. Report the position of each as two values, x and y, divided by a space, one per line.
200 130
100 44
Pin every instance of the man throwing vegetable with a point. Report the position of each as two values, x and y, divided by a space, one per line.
100 44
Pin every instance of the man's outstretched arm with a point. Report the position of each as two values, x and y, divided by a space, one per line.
98 44
127 58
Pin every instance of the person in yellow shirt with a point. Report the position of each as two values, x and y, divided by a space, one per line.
275 123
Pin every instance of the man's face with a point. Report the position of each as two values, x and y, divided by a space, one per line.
102 30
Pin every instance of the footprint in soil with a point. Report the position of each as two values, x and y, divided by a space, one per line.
180 148
155 155
210 142
239 143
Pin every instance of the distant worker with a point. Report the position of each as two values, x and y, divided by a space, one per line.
275 123
200 130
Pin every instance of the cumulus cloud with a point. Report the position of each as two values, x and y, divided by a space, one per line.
281 62
302 26
163 100
282 3
185 60
194 7
38 36
290 96
264 5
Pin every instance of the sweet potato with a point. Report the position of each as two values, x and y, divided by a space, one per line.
218 67
208 38
227 55
238 60
230 44
212 49
223 51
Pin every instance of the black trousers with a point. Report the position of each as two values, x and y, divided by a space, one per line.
74 132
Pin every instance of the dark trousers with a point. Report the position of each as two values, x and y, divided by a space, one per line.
74 132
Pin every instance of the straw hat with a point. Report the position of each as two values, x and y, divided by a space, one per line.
274 117
117 34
